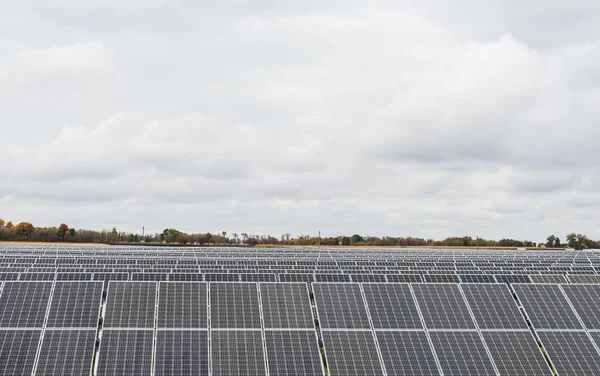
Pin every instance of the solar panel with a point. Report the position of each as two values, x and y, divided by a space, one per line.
340 306
406 353
66 352
332 278
130 305
182 305
106 277
571 353
157 277
37 277
461 353
584 278
548 278
234 305
125 352
257 277
75 305
586 300
181 352
516 353
494 306
404 278
513 278
293 353
17 351
442 306
392 306
286 305
368 278
546 306
190 277
296 277
441 278
74 276
24 304
222 277
477 278
9 276
237 353
351 353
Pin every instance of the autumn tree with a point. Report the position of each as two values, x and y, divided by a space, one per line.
23 230
62 231
2 223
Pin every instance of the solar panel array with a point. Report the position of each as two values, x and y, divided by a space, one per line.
230 311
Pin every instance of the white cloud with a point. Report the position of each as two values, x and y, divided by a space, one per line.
344 117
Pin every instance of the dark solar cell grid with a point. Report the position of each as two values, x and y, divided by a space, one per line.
234 305
392 306
340 306
286 305
351 353
182 305
75 305
182 353
66 352
293 352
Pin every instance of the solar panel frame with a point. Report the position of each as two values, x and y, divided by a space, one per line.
550 311
571 352
407 352
246 359
392 306
66 352
181 352
455 314
18 349
125 352
182 305
121 312
244 315
75 309
461 353
293 352
351 353
348 311
585 299
286 305
493 306
516 352
24 308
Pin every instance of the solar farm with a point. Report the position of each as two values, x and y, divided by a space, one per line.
297 311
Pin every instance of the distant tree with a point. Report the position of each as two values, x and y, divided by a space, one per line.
357 239
72 232
287 236
113 236
557 242
9 225
2 223
551 241
577 241
345 240
23 231
62 231
209 237
235 237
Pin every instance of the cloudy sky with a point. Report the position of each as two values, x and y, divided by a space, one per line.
264 116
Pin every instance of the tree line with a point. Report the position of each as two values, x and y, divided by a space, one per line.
25 231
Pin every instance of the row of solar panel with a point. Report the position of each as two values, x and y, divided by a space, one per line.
346 320
236 305
302 277
341 306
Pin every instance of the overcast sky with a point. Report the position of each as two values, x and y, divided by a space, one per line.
346 116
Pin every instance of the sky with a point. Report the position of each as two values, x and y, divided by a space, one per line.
378 117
